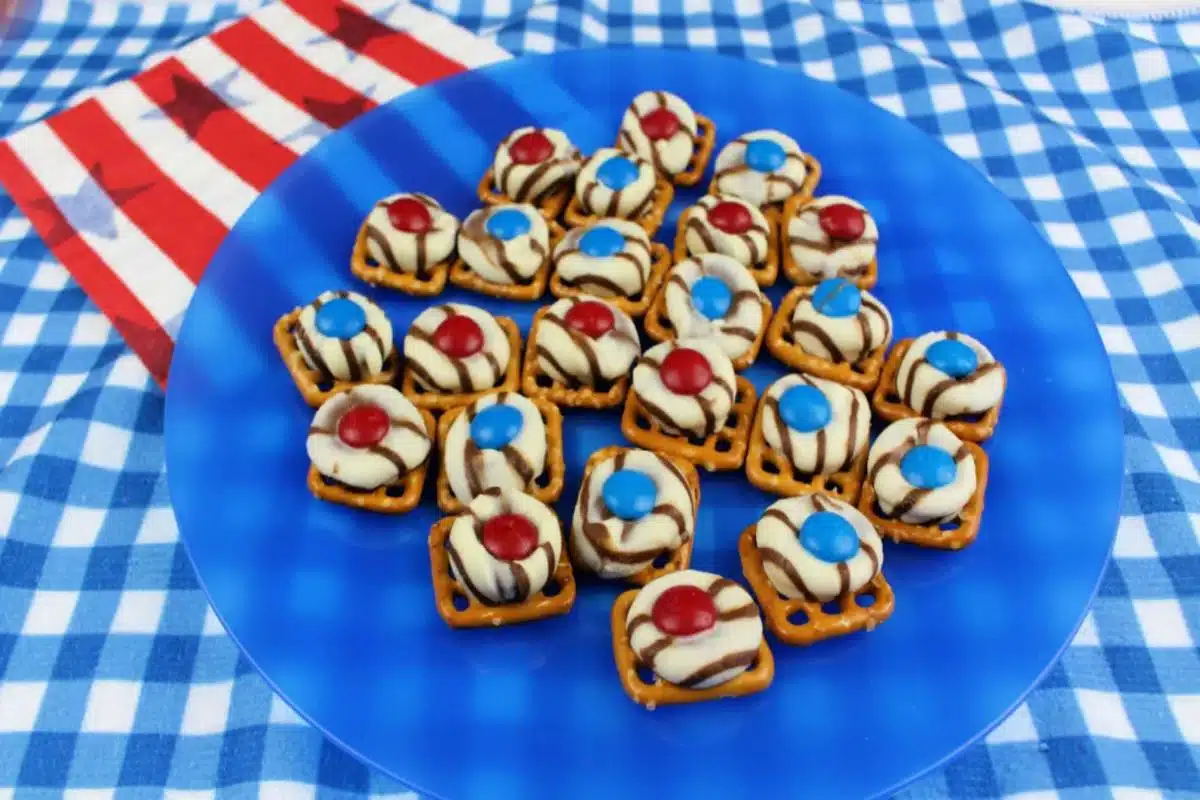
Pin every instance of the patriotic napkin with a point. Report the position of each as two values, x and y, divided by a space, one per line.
134 187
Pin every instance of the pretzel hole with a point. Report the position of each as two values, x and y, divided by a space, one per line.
832 608
646 675
771 468
461 601
834 487
969 418
396 489
370 261
865 599
324 385
552 587
950 525
543 380
723 445
643 422
542 480
798 617
661 560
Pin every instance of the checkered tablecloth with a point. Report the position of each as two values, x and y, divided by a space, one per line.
117 677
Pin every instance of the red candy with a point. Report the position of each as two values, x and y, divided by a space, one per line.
531 148
730 217
363 426
842 222
410 215
590 318
458 336
661 123
686 371
509 537
683 611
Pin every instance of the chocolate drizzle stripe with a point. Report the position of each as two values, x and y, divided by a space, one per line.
314 356
461 574
748 611
701 229
722 664
374 336
719 585
581 341
547 551
818 333
637 622
395 458
776 514
785 433
647 656
776 559
561 374
352 365
385 248
843 579
520 581
471 458
519 464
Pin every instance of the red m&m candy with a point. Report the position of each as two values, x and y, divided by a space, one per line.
509 537
686 371
531 148
364 426
410 215
590 318
661 123
842 222
458 336
730 217
684 611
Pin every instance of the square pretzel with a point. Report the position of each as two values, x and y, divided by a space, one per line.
808 187
537 384
862 374
772 471
659 328
764 273
722 450
550 204
398 498
681 558
440 401
446 589
660 693
546 487
887 403
464 277
432 283
797 274
704 140
660 262
818 624
650 220
308 381
932 534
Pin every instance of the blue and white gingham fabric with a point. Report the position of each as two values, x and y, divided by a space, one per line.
117 678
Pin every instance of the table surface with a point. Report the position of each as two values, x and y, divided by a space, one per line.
117 676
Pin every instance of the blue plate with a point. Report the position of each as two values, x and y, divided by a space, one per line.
335 607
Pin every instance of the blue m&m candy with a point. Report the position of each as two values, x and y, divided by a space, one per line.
829 537
764 155
601 242
953 357
617 173
928 467
629 494
836 297
341 319
496 426
507 223
711 297
805 408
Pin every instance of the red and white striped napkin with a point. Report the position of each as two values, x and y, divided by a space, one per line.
134 188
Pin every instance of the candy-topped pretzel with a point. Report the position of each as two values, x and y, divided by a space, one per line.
613 259
456 353
766 168
833 330
663 129
579 353
532 165
503 561
635 517
686 400
829 237
733 227
406 243
810 435
816 566
504 251
616 184
339 340
946 376
698 635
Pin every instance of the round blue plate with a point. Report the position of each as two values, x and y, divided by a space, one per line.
335 606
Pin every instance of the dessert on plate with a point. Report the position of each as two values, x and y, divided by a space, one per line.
663 129
616 184
532 165
696 635
733 227
406 243
766 168
455 353
504 251
338 340
829 237
613 259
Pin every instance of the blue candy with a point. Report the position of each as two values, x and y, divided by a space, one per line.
829 537
836 297
507 223
711 297
496 426
617 173
805 408
601 242
629 494
764 155
341 319
953 357
928 467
